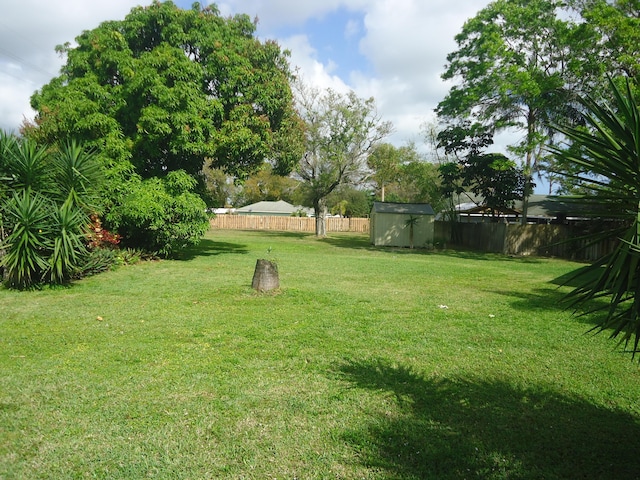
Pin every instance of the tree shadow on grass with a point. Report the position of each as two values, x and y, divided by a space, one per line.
478 255
209 248
351 241
278 233
461 254
454 428
554 296
542 298
576 277
345 240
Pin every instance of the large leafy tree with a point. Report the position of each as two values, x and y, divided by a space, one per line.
616 24
341 130
265 184
418 182
385 161
349 201
492 176
167 88
403 174
609 148
516 69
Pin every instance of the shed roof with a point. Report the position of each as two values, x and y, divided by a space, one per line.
402 208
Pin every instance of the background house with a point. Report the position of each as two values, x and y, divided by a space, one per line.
277 209
542 209
389 224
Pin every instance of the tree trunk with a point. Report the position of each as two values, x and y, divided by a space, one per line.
528 167
525 202
320 211
265 276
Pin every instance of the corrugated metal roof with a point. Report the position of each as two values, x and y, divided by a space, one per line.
543 206
402 208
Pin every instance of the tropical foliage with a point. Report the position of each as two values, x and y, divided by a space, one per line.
608 150
615 28
48 196
517 67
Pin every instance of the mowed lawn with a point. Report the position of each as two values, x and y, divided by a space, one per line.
368 363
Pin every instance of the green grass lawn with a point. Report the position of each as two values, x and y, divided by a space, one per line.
354 369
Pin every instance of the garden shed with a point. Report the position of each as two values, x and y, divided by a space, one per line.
402 224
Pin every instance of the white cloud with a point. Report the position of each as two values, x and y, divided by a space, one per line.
407 42
403 43
304 61
352 29
275 14
403 46
29 33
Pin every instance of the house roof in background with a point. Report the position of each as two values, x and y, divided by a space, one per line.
541 206
403 208
279 207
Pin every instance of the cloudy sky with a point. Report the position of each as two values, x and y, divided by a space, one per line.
393 50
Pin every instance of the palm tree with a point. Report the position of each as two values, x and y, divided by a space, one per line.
608 151
411 222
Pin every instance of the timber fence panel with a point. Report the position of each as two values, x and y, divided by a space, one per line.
337 224
486 237
535 240
288 224
565 241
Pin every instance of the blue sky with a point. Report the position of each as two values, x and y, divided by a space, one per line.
393 50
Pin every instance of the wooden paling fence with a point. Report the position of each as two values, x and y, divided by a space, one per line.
565 241
510 239
288 224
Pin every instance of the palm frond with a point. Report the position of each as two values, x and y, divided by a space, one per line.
610 150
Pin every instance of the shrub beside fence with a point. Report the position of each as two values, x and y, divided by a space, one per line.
288 224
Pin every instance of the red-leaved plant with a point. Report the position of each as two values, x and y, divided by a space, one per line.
99 237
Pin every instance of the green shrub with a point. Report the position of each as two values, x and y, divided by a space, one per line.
96 261
161 215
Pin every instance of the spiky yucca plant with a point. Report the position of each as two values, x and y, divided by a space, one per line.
69 243
609 151
28 243
46 212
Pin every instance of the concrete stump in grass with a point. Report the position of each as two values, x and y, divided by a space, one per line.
265 276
